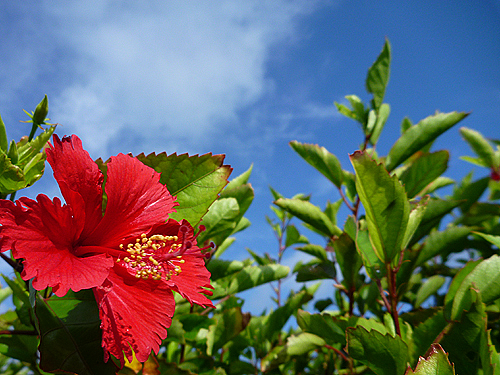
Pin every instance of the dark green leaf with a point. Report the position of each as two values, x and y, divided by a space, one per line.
70 337
314 250
227 325
195 180
349 260
416 137
384 354
316 271
452 239
423 170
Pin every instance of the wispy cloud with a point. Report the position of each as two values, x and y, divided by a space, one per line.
158 71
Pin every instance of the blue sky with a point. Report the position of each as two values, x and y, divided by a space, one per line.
244 78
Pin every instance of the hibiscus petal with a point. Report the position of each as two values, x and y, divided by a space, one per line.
136 200
135 315
79 179
191 282
42 232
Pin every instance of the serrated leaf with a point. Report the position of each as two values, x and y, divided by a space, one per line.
435 363
384 354
378 75
310 214
70 337
322 325
386 206
321 159
423 170
195 180
419 135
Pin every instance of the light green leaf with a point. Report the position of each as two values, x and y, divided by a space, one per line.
419 135
378 75
479 145
317 251
321 159
386 206
485 278
416 215
428 288
221 217
242 179
310 214
195 180
436 363
495 240
383 115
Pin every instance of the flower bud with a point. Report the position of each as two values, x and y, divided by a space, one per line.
41 111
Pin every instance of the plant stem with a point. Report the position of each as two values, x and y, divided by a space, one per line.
15 265
393 295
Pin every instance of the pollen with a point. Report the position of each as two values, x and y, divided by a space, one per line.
154 257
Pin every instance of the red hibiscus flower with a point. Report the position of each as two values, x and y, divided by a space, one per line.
131 256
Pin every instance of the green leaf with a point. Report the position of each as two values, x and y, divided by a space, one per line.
310 214
349 260
485 278
293 236
70 337
384 354
321 159
495 240
4 142
242 179
248 277
373 264
463 340
427 328
316 271
227 325
452 239
438 183
455 285
278 318
416 215
419 135
470 192
195 180
378 75
383 115
28 150
221 268
435 363
428 288
221 217
314 250
480 146
386 206
435 211
11 176
322 325
490 360
423 170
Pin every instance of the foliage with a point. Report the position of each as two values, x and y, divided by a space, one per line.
413 274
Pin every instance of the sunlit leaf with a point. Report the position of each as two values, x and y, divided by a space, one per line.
378 75
195 180
419 135
435 363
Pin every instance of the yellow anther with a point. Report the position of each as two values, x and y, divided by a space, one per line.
121 246
144 235
144 240
126 259
133 264
181 261
138 275
142 264
153 260
118 260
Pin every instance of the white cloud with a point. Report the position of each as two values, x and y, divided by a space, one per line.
173 68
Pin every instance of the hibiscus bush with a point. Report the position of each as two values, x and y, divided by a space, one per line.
131 273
